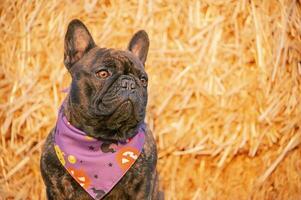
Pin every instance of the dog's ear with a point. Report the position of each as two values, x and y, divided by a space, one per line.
139 45
78 41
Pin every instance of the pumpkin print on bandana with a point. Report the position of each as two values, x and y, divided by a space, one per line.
126 157
80 176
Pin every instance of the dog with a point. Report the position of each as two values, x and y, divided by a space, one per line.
105 107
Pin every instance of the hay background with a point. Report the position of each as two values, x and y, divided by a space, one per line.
224 91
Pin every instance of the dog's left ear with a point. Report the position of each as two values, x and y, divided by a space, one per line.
139 45
78 41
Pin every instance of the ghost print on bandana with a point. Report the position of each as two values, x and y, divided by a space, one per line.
96 166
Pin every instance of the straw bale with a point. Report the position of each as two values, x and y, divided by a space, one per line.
224 91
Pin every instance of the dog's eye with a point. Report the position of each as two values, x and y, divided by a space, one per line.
103 73
143 81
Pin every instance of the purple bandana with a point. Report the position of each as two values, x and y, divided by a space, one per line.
96 165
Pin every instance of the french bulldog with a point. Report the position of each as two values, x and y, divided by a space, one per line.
107 100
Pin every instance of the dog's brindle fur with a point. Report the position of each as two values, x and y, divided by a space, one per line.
109 108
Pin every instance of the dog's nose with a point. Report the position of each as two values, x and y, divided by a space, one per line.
128 84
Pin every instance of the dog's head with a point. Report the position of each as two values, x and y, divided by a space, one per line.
108 93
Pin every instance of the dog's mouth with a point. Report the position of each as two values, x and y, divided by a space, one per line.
122 123
122 114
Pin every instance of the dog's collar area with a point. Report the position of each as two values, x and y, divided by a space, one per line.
96 165
141 127
96 135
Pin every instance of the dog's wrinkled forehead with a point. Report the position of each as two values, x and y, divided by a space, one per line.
122 61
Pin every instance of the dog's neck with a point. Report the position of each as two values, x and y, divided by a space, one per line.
93 126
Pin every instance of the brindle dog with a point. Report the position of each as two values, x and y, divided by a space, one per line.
107 100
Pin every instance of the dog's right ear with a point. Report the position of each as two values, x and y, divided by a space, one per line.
78 41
